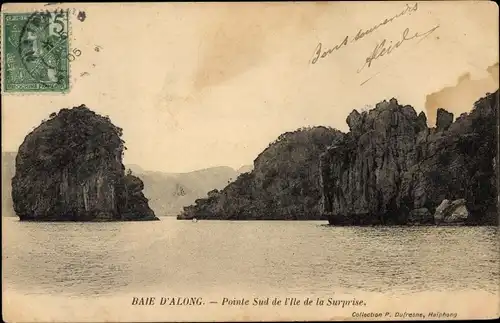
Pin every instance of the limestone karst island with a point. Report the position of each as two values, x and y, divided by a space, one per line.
389 169
70 168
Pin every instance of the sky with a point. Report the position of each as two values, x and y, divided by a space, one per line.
198 85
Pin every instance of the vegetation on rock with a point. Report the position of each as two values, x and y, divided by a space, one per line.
284 184
390 168
391 164
70 169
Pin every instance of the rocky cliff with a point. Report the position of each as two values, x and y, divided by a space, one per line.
70 168
284 183
392 169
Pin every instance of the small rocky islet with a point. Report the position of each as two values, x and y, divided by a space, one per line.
70 168
389 169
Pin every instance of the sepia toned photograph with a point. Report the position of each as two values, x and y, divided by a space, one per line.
250 161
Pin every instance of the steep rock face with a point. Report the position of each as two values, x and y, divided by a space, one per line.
70 169
362 174
443 119
134 205
420 216
284 183
457 163
391 163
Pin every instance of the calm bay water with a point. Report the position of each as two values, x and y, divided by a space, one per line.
96 259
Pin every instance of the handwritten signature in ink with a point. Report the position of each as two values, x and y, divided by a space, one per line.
319 53
385 48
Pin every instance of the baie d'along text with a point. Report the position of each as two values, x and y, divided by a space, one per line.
183 301
320 53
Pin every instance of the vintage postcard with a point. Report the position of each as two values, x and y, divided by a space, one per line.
273 161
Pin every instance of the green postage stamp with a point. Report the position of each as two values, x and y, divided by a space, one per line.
35 52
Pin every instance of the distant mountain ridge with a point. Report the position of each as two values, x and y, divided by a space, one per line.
168 193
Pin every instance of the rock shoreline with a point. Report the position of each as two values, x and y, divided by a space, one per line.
448 213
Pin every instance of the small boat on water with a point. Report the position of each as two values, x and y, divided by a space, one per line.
195 220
